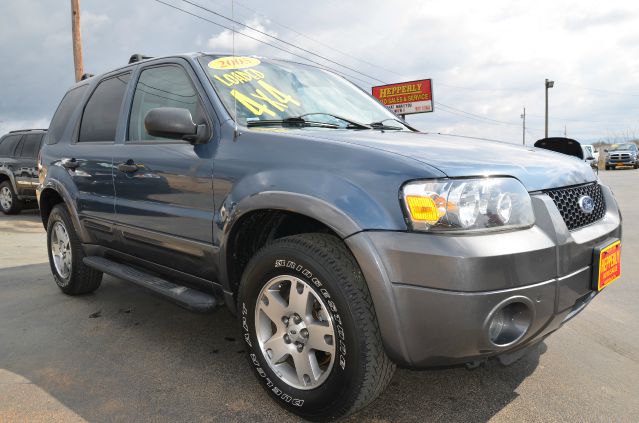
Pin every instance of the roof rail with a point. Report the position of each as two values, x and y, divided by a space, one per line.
86 76
138 58
26 130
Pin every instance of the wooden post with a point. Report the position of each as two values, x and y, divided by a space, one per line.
77 39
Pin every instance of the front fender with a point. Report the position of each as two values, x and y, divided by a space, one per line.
330 199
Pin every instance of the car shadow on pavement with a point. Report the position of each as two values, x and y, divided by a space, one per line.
122 354
453 394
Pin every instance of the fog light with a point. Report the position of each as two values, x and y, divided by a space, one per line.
509 323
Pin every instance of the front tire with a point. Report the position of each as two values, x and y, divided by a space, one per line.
310 327
71 275
9 202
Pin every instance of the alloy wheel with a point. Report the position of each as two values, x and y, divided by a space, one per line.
6 198
61 249
295 332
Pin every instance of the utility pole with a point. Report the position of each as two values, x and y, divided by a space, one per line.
77 39
549 84
523 132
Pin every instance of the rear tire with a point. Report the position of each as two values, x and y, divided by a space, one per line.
71 275
9 202
327 278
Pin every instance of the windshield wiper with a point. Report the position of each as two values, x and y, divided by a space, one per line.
292 121
380 125
351 123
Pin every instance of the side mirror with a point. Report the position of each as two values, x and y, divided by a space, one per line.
175 123
590 158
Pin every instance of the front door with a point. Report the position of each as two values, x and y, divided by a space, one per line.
164 195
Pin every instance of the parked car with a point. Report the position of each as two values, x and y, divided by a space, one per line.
590 159
18 170
570 147
345 241
622 155
592 150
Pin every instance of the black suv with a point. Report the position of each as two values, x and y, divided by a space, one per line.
18 169
345 241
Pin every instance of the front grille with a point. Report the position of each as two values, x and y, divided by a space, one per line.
567 201
620 156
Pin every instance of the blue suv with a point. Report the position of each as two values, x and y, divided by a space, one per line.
345 241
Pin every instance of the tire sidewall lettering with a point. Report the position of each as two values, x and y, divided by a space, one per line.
284 392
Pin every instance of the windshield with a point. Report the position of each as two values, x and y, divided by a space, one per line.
620 147
274 90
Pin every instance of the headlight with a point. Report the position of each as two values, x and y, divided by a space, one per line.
467 204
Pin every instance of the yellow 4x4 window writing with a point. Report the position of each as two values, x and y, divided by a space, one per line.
262 89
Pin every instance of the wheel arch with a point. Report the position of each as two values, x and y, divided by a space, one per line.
53 194
8 176
264 218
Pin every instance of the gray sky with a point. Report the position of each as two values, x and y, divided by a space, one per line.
487 59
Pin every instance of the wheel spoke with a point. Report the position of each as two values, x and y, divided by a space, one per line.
67 261
299 299
321 338
276 348
306 365
58 232
295 332
273 307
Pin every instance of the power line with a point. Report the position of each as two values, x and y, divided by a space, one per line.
478 116
475 138
314 39
452 110
582 120
597 90
261 41
281 41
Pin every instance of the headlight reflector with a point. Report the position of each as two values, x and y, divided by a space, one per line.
467 204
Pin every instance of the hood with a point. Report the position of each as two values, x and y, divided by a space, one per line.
457 156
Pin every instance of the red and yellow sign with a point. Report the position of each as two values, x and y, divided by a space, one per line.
406 98
609 265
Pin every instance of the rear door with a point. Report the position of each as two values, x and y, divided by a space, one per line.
8 163
26 174
91 157
164 208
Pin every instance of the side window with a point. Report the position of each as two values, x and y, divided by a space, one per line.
9 145
164 86
100 117
30 145
63 114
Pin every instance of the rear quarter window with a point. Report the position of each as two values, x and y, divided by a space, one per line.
30 146
62 115
8 145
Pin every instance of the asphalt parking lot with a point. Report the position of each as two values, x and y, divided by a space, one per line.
122 354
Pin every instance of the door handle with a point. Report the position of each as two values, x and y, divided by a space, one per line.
128 167
71 163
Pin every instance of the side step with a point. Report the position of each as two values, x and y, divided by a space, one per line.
188 298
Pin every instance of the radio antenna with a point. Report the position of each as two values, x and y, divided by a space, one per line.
236 131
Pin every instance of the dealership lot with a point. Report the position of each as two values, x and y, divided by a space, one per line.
122 354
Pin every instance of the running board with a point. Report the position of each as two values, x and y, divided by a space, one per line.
189 298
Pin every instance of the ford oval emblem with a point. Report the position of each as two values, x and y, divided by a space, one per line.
587 204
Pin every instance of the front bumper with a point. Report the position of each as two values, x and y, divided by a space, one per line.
434 294
621 162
